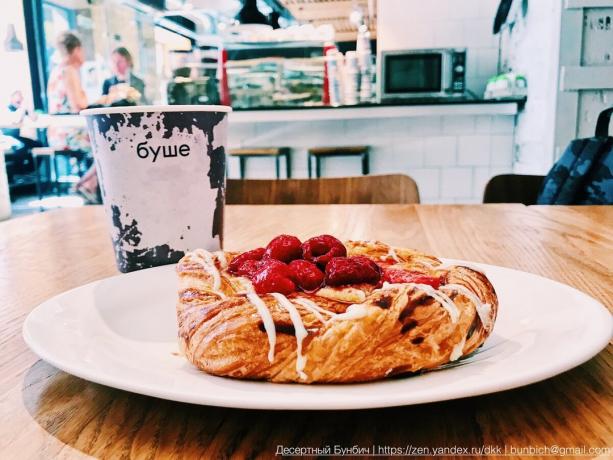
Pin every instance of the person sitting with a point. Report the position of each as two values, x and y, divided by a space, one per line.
123 85
122 88
65 95
19 159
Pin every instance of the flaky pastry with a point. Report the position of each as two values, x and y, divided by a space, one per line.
402 322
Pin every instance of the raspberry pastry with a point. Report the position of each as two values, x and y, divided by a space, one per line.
326 311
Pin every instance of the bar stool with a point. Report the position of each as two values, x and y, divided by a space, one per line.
277 152
317 153
47 153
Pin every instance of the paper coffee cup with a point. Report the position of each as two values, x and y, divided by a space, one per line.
162 176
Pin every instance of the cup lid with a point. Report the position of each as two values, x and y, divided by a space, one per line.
155 108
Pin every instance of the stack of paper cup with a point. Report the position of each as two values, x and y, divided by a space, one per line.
352 78
334 62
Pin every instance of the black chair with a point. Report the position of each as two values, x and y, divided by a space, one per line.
513 188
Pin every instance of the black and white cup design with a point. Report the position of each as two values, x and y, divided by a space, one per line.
162 176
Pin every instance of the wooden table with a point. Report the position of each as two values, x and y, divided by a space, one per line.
46 413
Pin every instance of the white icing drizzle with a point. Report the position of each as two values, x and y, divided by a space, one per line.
391 253
457 351
483 309
245 284
210 267
446 265
354 311
269 324
314 308
440 297
299 329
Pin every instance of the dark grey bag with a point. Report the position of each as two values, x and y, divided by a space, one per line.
584 173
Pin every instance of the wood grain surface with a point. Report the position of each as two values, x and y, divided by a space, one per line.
46 413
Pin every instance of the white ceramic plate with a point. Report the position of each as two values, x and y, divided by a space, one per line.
121 332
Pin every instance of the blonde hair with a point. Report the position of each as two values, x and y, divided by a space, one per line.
67 42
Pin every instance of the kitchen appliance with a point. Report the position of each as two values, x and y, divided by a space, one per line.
418 73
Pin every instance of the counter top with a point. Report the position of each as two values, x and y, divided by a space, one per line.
421 101
393 109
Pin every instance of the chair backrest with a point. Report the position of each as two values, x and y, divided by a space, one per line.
513 188
385 189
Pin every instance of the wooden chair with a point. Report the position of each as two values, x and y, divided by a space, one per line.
513 188
384 189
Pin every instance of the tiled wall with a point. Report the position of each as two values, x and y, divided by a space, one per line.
450 157
405 24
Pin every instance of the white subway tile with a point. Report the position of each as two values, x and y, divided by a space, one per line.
364 131
440 151
448 33
502 124
420 35
240 133
471 200
432 200
478 33
233 168
385 160
498 170
428 180
471 64
530 168
501 150
458 124
341 167
408 152
424 126
481 177
483 124
474 150
456 182
390 129
487 61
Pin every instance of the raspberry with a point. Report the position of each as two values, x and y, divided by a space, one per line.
235 265
307 275
249 268
350 270
271 263
273 276
284 248
320 249
396 275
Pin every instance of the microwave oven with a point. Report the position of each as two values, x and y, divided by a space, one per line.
415 73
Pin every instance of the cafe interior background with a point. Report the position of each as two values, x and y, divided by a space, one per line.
314 80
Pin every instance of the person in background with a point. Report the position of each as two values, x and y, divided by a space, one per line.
65 94
18 113
20 157
123 85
